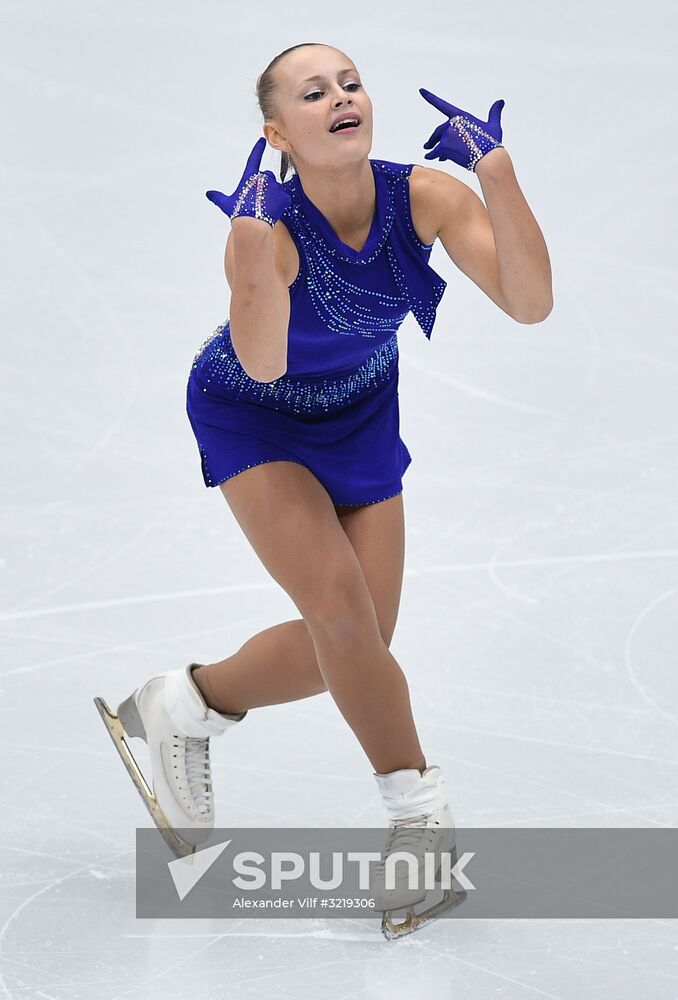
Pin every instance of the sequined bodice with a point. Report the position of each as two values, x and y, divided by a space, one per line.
346 305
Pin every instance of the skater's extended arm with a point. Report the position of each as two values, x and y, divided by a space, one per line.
260 301
498 245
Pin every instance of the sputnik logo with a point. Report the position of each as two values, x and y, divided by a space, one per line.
187 872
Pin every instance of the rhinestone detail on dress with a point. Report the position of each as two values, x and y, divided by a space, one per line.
218 362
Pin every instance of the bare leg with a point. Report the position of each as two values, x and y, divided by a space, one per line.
274 666
292 525
279 664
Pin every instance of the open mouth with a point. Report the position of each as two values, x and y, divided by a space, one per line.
348 124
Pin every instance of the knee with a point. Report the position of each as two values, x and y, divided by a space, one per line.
346 626
342 625
342 613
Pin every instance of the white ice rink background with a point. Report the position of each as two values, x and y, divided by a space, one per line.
538 621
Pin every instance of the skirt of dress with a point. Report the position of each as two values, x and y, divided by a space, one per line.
355 451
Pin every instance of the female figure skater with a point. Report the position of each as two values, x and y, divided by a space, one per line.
294 405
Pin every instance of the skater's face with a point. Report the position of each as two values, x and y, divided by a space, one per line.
315 85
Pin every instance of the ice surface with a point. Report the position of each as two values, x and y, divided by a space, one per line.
537 623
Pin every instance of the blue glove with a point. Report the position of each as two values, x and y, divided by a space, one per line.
463 138
258 193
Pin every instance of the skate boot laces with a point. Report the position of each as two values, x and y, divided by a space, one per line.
194 751
401 837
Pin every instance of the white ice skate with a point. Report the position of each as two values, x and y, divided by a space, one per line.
421 821
169 713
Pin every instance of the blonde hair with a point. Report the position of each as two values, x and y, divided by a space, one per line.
265 91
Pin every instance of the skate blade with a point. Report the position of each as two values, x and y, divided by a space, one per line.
414 921
180 847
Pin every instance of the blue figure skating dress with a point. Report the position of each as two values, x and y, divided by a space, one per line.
336 408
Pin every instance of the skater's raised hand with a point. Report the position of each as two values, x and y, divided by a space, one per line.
463 138
258 193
